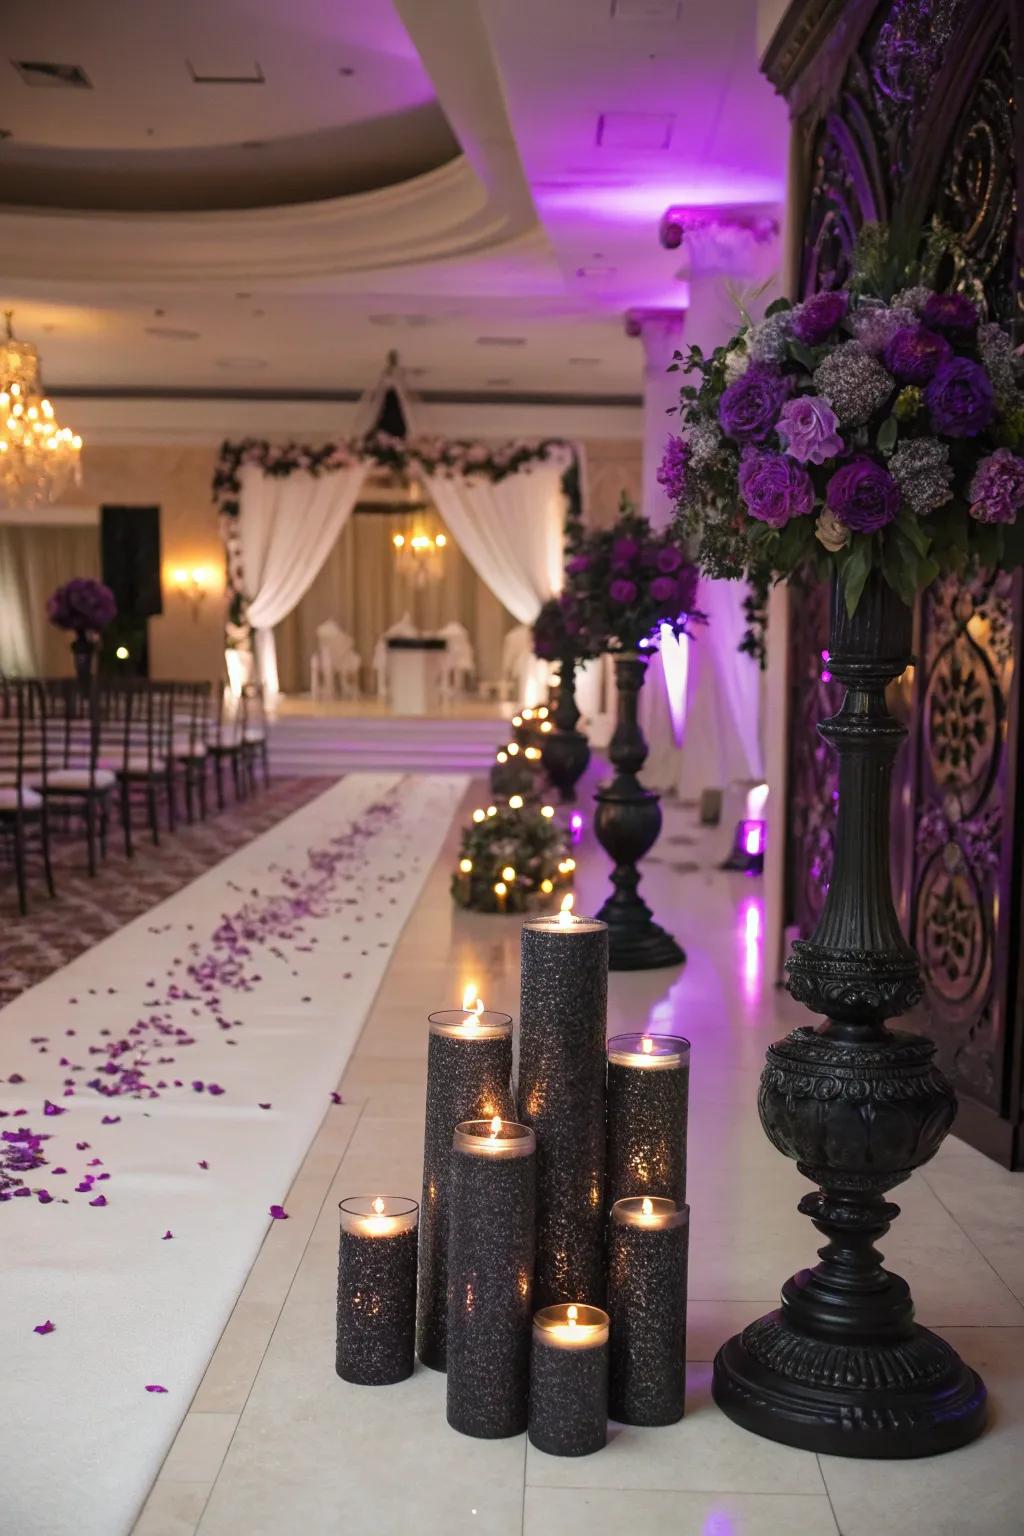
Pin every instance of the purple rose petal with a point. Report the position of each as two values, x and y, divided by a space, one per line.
46 1327
279 1213
166 1235
155 1388
100 1200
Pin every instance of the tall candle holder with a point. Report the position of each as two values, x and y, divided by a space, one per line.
469 1077
648 1093
647 1261
376 1289
490 1277
561 1095
569 1380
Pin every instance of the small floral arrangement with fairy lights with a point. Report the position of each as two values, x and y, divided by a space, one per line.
623 584
513 856
879 427
518 763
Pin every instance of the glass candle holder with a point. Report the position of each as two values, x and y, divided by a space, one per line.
376 1289
490 1277
569 1380
469 1077
561 1094
647 1255
648 1095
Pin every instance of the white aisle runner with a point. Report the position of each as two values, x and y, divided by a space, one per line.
232 1009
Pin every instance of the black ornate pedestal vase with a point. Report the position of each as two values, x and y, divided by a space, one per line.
627 824
83 649
565 750
842 1367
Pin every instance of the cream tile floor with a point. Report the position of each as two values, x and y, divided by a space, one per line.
275 1443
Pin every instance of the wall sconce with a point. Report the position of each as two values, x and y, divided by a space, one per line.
193 585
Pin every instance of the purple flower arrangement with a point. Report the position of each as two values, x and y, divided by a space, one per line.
82 604
859 430
624 583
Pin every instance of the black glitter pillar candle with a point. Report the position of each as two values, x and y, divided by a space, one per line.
561 1095
648 1090
569 1380
469 1077
490 1277
376 1289
647 1250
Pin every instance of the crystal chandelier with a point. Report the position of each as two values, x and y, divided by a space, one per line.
419 556
37 457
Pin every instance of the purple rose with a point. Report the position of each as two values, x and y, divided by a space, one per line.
749 408
669 559
997 491
624 552
959 399
664 589
915 352
672 472
578 565
774 488
818 317
952 312
807 427
82 604
863 496
622 590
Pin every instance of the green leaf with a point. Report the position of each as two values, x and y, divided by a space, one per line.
987 544
777 306
887 433
911 529
801 354
856 570
1013 544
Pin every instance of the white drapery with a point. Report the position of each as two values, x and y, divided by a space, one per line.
287 526
511 531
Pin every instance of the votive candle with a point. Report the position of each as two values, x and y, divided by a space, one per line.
561 1095
569 1380
490 1276
647 1256
469 1077
376 1289
648 1092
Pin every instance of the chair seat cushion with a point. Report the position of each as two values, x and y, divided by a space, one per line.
30 800
78 778
182 747
141 765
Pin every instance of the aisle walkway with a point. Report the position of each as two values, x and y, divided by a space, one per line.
275 1443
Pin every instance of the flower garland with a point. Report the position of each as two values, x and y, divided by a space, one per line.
878 428
401 456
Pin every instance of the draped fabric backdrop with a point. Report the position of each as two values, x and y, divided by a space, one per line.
34 560
360 586
287 528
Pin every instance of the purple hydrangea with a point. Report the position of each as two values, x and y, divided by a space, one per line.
622 590
774 488
960 399
672 472
817 318
82 603
952 312
863 496
915 353
808 429
997 490
749 409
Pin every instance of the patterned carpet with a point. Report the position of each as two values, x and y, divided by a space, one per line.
86 911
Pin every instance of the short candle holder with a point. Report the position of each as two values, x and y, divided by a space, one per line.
376 1289
647 1254
569 1380
490 1277
648 1093
469 1077
561 1095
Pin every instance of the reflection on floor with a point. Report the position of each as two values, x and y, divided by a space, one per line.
275 1442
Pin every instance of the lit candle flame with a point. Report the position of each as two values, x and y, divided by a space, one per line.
470 1002
565 915
572 1314
495 1127
378 1206
646 1045
647 1207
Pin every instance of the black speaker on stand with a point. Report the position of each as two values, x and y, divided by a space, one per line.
130 555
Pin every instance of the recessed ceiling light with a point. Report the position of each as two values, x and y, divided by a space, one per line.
635 130
54 77
220 73
241 364
171 333
243 295
501 341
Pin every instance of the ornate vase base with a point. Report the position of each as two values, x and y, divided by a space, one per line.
918 1398
638 946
